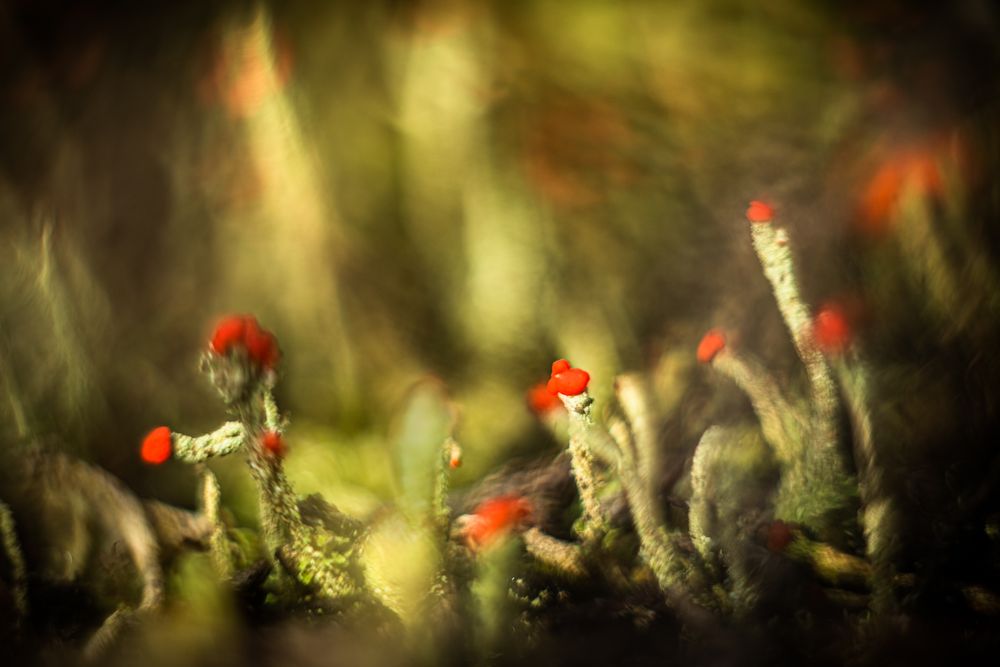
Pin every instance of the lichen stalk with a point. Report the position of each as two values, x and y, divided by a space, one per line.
582 464
659 549
773 249
223 441
818 485
678 577
272 416
563 557
878 515
312 541
297 547
700 514
781 424
279 511
218 543
440 513
633 396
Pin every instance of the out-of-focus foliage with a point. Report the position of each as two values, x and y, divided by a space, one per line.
469 190
466 189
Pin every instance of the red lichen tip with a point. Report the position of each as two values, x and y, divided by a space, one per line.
262 347
244 331
274 444
229 332
541 401
494 518
157 446
831 329
759 212
560 366
711 344
567 380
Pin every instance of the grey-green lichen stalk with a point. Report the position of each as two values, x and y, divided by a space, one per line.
680 576
815 485
594 522
318 553
629 448
822 474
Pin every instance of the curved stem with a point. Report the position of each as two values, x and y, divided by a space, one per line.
221 442
780 423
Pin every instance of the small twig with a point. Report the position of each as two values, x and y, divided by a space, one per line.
218 543
177 528
564 557
223 441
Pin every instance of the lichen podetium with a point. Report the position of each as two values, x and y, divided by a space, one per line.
311 540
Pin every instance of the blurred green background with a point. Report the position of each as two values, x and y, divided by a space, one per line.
467 190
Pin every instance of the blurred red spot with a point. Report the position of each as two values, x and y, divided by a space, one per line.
832 329
541 401
711 344
576 151
261 345
917 168
274 444
560 366
758 211
427 21
567 380
779 536
243 75
879 199
228 333
156 446
494 518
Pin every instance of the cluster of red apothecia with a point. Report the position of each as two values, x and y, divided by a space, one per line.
235 333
